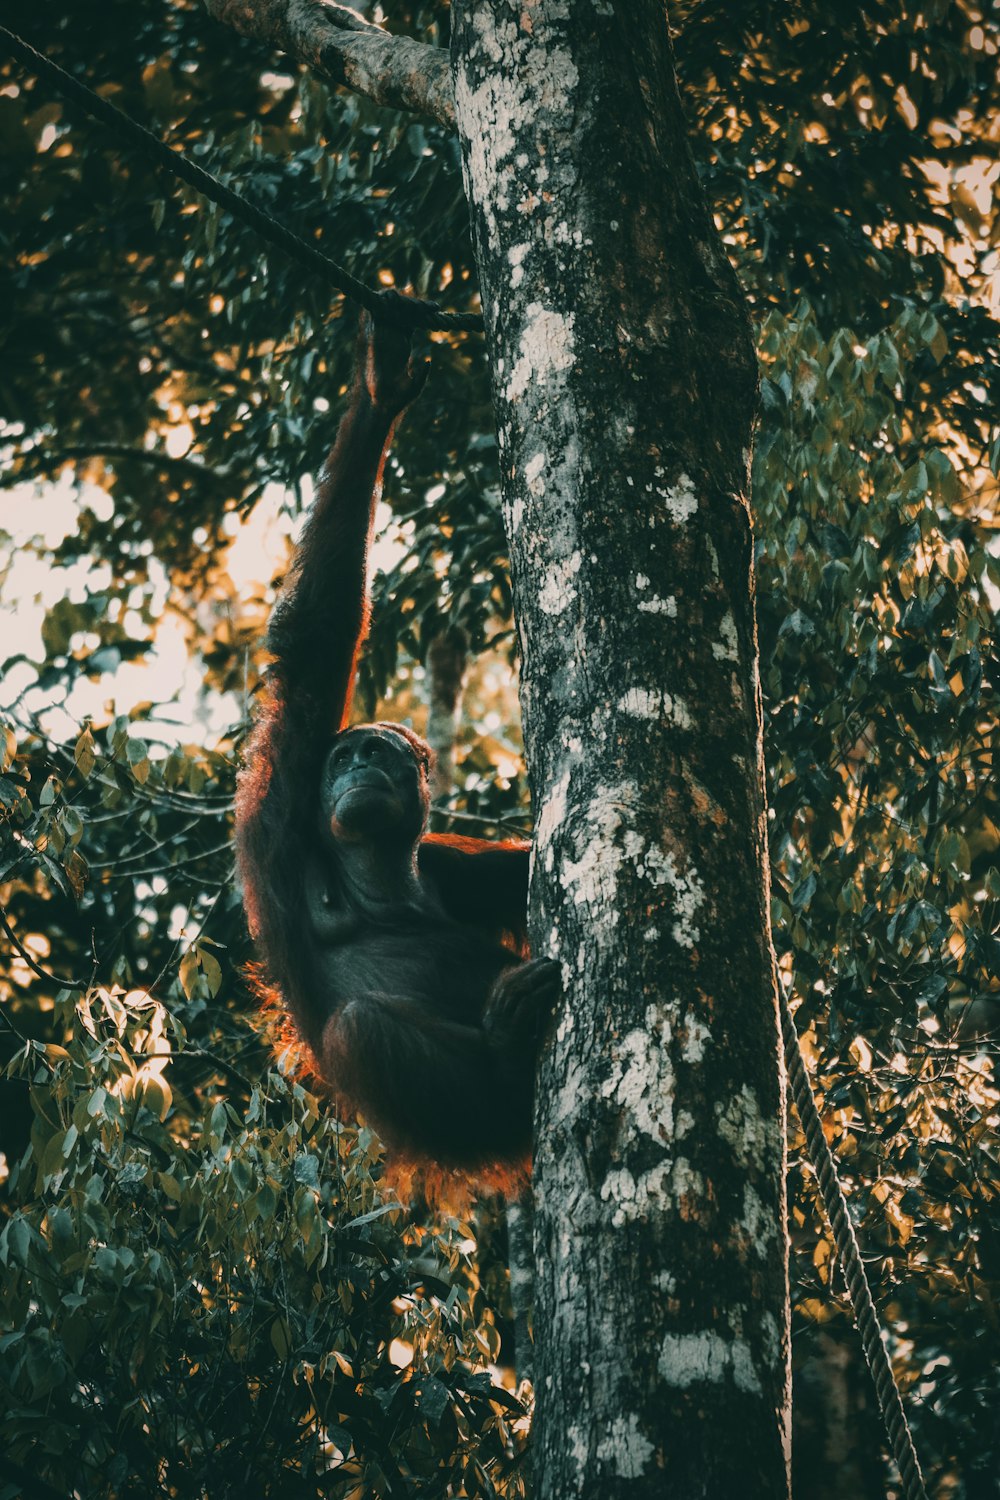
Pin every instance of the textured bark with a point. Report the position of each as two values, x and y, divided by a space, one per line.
342 47
625 388
838 1437
520 1259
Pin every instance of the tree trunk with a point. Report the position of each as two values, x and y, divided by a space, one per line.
625 387
447 658
838 1435
520 1239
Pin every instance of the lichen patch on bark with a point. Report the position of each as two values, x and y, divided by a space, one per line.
557 591
742 1125
625 1448
690 1358
680 500
696 1034
641 1079
551 817
546 348
592 878
687 891
654 704
533 471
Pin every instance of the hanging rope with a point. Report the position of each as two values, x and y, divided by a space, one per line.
409 312
835 1204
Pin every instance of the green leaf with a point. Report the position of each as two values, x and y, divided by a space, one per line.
938 340
281 1339
15 1242
85 754
188 972
434 1399
138 758
212 970
218 1123
72 824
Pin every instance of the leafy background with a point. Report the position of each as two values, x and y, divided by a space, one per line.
208 1286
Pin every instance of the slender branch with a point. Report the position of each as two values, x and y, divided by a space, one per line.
15 1030
130 857
63 984
503 825
339 45
44 462
148 871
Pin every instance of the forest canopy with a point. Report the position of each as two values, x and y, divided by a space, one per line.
202 1267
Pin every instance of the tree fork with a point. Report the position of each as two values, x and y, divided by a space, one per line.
625 387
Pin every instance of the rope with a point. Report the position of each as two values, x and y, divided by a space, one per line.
408 312
835 1204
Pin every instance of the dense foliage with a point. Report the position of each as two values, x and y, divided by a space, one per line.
208 1288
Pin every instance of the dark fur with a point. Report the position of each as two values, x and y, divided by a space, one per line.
422 1011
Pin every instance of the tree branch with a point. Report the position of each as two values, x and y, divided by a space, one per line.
63 984
42 462
342 47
